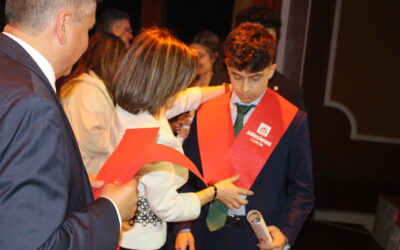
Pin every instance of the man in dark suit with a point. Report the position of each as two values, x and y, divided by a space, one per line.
286 87
255 132
46 200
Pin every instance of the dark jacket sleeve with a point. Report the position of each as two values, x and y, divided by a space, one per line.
36 184
300 192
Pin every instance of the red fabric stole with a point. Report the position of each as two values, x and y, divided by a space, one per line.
223 155
136 149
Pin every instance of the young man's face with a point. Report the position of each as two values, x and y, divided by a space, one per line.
249 86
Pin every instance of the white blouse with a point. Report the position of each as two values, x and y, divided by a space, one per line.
90 110
159 202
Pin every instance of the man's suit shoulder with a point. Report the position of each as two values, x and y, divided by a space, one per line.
288 88
299 123
301 115
16 75
19 88
19 73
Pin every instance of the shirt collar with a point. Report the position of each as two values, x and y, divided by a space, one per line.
236 99
42 62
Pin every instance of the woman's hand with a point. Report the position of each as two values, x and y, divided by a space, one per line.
229 194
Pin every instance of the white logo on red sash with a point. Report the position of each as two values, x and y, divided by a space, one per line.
259 138
263 129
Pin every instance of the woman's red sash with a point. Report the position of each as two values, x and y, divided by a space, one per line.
137 148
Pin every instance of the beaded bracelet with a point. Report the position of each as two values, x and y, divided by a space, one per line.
215 191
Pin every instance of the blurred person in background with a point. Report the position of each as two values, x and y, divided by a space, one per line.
87 99
208 46
116 22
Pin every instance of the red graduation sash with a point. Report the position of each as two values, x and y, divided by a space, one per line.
136 149
223 155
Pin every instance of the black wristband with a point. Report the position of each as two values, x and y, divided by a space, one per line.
215 191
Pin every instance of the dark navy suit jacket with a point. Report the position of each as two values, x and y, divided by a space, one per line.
283 191
45 196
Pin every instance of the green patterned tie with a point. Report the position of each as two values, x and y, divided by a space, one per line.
216 216
242 110
218 212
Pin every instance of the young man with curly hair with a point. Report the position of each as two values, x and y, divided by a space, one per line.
254 132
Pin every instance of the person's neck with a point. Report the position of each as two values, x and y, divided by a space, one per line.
204 79
39 42
32 40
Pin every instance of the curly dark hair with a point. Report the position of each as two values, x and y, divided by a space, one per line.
262 15
249 47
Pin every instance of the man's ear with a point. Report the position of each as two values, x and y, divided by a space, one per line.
63 22
271 70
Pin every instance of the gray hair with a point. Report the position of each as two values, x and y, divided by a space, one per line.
36 15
